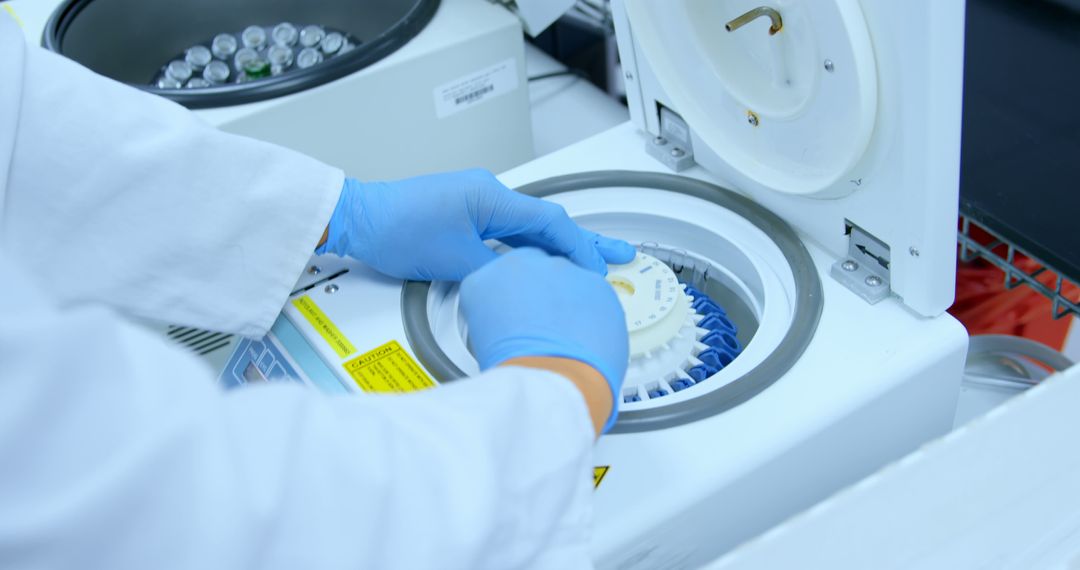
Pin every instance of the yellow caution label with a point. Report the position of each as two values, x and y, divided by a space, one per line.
14 16
388 368
598 474
324 326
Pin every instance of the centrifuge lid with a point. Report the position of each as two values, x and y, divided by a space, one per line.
128 40
845 122
787 95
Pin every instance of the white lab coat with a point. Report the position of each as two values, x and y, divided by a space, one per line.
120 451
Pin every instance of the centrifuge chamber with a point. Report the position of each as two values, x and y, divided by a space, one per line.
434 85
756 269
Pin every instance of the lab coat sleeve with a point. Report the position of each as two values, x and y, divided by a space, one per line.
120 452
118 196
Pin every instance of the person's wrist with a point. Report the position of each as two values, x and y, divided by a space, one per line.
333 236
594 388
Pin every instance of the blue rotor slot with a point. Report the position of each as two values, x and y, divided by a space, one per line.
681 384
718 323
699 373
716 359
706 306
694 293
721 338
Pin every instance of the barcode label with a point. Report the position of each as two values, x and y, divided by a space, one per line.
474 95
476 88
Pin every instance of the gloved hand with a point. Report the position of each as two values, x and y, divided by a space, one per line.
528 303
433 227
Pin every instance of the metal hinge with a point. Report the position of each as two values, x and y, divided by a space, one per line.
672 146
866 270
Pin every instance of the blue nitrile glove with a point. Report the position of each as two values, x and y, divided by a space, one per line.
527 303
434 227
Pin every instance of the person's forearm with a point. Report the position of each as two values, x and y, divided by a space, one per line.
594 389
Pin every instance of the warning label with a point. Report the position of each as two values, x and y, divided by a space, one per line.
598 474
388 368
324 326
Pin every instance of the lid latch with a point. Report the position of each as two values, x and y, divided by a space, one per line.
866 268
672 146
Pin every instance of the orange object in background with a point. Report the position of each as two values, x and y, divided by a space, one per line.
985 306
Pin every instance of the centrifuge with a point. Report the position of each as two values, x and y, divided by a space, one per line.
408 87
789 177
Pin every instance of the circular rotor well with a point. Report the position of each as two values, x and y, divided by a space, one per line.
725 249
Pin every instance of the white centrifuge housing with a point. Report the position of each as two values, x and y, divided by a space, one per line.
818 151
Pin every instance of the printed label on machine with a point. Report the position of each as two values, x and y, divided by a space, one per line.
388 368
598 474
475 88
324 326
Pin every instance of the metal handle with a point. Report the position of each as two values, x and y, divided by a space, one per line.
777 23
